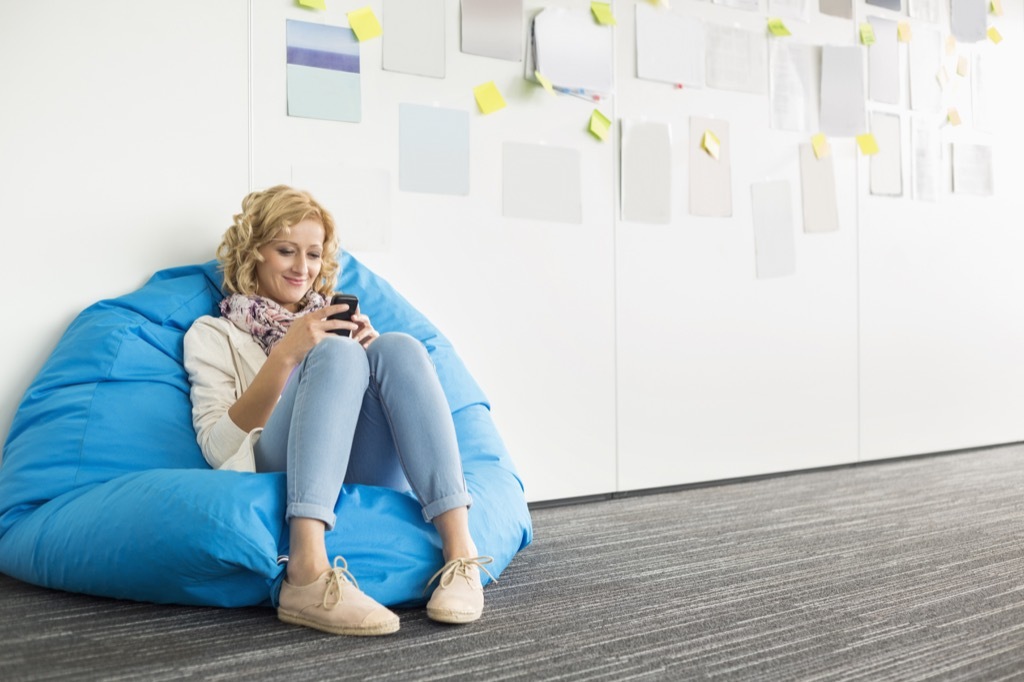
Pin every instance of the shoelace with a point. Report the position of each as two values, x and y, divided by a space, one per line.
461 567
337 576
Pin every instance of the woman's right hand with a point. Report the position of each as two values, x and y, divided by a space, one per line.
308 330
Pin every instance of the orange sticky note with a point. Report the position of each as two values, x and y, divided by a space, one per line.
820 144
950 44
488 98
314 4
962 66
603 13
710 143
903 31
364 23
867 143
599 125
996 7
994 35
954 116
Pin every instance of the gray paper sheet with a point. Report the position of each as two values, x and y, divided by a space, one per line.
818 191
842 91
493 28
894 5
414 41
887 164
836 8
433 150
646 172
967 19
884 62
710 178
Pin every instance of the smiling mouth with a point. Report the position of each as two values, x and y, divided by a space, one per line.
295 282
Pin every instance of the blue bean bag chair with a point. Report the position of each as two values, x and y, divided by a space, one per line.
104 491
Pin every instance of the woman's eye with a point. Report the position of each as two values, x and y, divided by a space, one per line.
286 252
314 256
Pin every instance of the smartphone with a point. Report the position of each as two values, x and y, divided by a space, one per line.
338 299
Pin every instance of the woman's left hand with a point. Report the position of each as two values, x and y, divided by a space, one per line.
365 334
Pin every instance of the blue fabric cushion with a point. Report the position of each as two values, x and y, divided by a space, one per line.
103 489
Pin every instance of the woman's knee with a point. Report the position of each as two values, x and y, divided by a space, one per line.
396 347
338 355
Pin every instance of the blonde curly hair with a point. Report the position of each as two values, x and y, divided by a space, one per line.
265 216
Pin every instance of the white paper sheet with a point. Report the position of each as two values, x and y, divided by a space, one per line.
541 183
710 178
979 94
887 164
790 9
572 50
433 150
818 191
414 42
926 161
884 62
492 28
967 19
359 199
669 46
842 91
972 169
772 212
836 8
646 172
736 59
925 10
747 5
925 62
794 85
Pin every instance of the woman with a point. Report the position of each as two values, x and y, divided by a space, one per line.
275 388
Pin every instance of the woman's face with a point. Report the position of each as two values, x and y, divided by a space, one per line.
291 264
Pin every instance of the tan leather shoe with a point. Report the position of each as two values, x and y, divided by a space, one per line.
333 603
459 596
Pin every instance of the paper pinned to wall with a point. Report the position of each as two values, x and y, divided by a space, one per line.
669 47
794 85
493 28
925 10
926 159
771 208
894 5
746 5
967 18
646 172
792 9
925 60
818 191
972 169
359 199
710 178
433 150
414 42
540 182
842 91
883 62
322 72
572 50
887 164
736 59
836 8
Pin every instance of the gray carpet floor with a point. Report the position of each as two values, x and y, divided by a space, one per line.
905 570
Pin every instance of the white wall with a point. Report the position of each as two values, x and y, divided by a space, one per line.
617 355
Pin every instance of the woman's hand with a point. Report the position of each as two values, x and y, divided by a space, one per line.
310 329
364 333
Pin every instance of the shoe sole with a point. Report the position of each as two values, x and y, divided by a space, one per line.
446 616
380 629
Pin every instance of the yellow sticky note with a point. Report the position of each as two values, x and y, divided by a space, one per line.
488 98
994 36
903 31
867 143
867 34
544 81
710 143
950 44
603 13
962 66
821 146
777 28
314 4
996 7
954 116
599 125
364 22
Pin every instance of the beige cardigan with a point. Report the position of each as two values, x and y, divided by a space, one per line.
221 361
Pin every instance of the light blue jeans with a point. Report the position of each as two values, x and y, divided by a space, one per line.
376 416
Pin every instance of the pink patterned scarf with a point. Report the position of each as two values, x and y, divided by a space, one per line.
265 319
